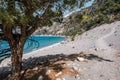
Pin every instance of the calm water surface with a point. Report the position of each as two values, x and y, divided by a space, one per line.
33 43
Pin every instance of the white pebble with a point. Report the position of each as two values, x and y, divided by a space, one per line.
75 68
48 72
40 78
81 59
63 79
36 68
58 74
58 79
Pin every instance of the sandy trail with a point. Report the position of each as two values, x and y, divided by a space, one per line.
101 44
104 70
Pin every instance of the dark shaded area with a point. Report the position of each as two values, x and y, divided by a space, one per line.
44 62
95 57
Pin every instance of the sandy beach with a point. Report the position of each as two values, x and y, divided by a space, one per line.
103 41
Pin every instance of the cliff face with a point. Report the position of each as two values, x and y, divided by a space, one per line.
100 12
55 29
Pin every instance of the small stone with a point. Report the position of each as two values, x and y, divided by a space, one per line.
28 70
74 68
77 76
101 75
96 49
48 72
110 45
58 74
63 79
40 78
73 47
9 75
75 60
58 79
35 69
80 70
80 59
22 71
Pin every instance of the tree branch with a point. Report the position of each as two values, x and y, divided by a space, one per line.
7 30
29 32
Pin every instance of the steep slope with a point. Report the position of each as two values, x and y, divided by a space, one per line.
102 11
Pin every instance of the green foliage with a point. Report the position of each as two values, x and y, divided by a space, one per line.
6 18
109 7
20 10
107 12
117 17
79 18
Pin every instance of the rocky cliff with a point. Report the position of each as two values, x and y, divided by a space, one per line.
102 11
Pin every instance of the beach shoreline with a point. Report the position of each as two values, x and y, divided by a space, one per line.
27 55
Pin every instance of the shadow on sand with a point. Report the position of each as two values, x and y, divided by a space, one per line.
50 61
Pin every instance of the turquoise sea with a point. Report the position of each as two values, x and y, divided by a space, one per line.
32 43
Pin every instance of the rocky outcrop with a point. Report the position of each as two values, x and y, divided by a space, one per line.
69 23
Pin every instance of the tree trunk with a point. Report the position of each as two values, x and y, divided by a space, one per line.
16 58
